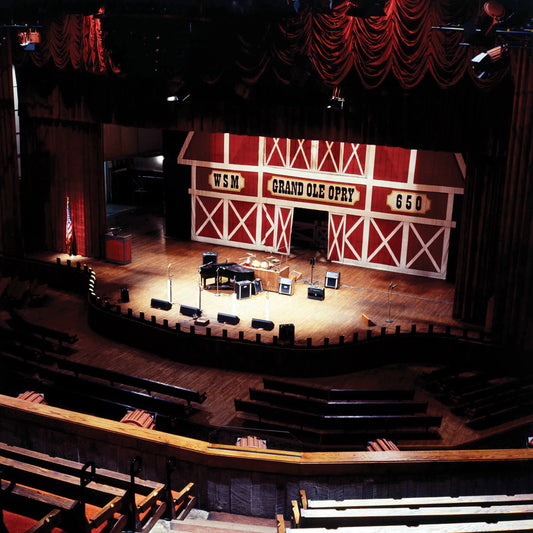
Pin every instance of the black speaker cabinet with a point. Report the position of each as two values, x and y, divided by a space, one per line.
257 323
161 304
285 286
243 289
228 319
209 257
332 280
124 295
190 311
315 293
257 286
286 333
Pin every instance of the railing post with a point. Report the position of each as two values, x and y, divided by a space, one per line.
309 342
398 330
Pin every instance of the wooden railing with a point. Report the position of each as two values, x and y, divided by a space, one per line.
268 475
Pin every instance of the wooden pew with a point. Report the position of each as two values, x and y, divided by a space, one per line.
17 322
442 514
311 391
354 407
345 423
133 381
140 502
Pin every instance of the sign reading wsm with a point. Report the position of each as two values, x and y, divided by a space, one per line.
226 181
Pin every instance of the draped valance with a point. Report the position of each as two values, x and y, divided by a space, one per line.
404 44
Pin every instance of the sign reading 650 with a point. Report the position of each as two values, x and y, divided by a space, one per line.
408 202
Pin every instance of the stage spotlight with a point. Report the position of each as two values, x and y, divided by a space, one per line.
487 63
336 102
183 99
366 8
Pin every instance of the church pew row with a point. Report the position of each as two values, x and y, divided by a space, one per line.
482 400
86 393
442 514
17 322
310 391
81 498
354 407
346 423
133 381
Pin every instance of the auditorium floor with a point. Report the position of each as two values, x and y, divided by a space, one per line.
415 301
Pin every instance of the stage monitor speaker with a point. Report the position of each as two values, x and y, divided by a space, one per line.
209 257
315 293
286 333
190 311
285 286
243 289
124 295
161 304
257 323
228 319
257 286
332 280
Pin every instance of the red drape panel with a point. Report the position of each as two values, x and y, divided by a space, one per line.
402 44
60 160
513 311
74 41
11 241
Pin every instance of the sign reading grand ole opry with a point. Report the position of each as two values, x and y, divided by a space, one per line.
313 190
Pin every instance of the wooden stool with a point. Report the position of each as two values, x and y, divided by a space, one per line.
139 418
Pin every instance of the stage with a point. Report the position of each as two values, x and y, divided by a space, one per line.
362 295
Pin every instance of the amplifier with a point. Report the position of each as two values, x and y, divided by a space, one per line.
285 286
243 289
209 257
257 323
160 304
286 334
257 286
315 293
332 280
228 319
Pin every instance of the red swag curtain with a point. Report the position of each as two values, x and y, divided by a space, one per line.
403 44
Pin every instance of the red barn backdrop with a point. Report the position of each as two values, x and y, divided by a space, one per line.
387 208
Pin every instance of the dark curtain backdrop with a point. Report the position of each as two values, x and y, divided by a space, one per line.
61 160
513 299
11 241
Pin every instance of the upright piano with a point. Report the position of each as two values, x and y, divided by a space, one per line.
225 275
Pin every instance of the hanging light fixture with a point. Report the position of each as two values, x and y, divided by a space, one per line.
487 63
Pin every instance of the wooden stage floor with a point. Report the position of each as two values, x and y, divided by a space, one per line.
414 301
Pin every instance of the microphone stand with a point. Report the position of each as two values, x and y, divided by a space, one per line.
169 283
217 294
391 286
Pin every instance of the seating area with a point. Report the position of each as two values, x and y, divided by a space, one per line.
477 513
64 383
335 415
40 493
482 399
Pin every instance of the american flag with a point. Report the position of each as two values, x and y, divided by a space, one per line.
70 230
